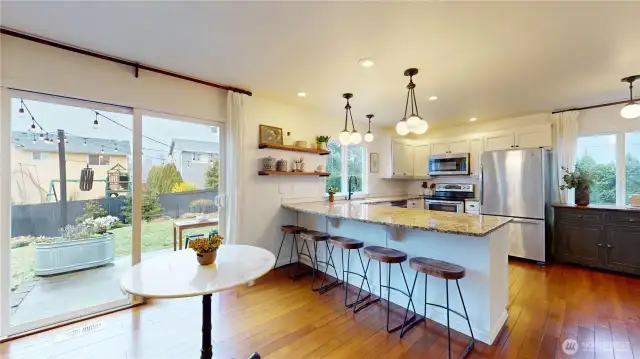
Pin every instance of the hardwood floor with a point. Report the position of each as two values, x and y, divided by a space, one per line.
285 319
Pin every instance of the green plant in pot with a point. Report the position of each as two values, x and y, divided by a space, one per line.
580 180
323 142
332 191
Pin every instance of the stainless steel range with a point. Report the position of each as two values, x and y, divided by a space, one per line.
449 197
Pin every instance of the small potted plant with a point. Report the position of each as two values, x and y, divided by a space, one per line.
580 179
206 248
323 142
332 191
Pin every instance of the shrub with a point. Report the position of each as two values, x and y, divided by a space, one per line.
183 187
212 176
102 224
161 179
151 208
92 210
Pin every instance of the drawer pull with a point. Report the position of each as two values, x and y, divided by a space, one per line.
599 244
579 216
609 246
631 220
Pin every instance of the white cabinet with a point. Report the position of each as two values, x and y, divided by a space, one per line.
421 161
472 207
443 148
475 152
533 137
417 203
402 159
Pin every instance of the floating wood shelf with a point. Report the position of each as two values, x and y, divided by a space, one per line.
293 148
270 173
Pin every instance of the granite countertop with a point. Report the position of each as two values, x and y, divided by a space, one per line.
432 221
608 207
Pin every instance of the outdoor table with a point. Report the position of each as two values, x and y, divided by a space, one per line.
178 275
180 225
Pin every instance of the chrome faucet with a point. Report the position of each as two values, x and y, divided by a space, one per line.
351 188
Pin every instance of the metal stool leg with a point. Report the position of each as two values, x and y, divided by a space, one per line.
357 308
346 283
448 324
294 243
408 324
329 263
471 343
275 265
295 274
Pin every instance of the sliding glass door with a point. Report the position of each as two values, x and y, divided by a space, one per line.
67 175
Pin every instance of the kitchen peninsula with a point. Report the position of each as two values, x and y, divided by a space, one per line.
478 243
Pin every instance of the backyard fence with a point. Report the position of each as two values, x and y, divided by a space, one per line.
43 219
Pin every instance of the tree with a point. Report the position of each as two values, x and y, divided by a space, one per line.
212 175
92 210
161 179
334 167
183 187
151 208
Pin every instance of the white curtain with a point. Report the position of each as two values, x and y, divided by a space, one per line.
565 142
234 166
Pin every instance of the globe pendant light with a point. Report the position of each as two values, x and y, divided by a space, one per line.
632 109
412 123
369 136
345 137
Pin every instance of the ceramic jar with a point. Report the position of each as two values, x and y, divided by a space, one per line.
269 163
281 165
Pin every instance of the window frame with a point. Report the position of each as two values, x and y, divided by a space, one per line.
621 163
344 170
100 158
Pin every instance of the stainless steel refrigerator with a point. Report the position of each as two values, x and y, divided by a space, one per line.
515 183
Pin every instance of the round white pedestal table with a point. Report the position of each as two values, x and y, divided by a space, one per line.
178 275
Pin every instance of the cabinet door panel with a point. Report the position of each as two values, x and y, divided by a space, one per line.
623 245
439 148
533 138
408 161
398 154
499 141
421 161
459 146
578 243
475 152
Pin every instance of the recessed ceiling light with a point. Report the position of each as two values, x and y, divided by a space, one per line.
366 62
473 119
302 94
433 98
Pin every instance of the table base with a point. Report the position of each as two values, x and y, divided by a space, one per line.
207 349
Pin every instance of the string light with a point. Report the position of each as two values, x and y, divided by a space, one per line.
21 110
116 149
41 136
85 142
95 122
32 129
102 151
34 139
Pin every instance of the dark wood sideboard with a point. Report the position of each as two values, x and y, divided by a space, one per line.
598 236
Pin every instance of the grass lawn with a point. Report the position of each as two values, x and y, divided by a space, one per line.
155 235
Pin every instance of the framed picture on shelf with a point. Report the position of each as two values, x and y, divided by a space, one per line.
374 162
270 134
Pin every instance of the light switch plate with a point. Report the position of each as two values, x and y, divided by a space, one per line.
283 188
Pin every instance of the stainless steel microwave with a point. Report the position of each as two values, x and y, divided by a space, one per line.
449 164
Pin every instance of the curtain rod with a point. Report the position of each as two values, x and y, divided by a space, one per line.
596 106
136 66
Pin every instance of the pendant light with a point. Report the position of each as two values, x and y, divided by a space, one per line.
345 137
413 122
369 136
632 109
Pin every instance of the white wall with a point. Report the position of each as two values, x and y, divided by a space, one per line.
264 194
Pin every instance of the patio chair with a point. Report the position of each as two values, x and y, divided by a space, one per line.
196 235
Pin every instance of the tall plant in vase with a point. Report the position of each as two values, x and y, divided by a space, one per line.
323 142
580 180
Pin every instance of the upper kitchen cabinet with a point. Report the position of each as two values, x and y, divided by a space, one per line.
443 148
401 159
421 161
476 147
532 137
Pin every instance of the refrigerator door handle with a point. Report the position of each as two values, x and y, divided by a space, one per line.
525 221
481 185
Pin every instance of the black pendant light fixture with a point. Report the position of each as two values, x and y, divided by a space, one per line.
632 109
412 122
345 137
368 137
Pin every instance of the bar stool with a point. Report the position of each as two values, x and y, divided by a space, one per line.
447 271
389 256
315 237
348 244
293 230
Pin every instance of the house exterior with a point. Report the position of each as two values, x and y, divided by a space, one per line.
35 167
193 158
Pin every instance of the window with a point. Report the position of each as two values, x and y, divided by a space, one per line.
632 164
614 162
597 154
99 160
40 156
344 162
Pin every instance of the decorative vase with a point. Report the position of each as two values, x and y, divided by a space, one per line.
268 163
331 198
582 195
205 259
322 146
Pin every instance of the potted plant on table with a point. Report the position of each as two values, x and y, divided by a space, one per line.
323 142
206 248
332 191
580 179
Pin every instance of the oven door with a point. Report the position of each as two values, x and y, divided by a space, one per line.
449 164
444 206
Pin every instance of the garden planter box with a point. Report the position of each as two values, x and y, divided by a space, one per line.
68 256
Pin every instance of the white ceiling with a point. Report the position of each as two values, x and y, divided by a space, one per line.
485 60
